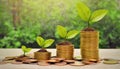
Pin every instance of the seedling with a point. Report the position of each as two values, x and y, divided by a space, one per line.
25 50
88 16
44 43
66 35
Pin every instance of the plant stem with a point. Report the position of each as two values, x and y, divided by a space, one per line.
65 39
43 48
89 21
24 54
88 24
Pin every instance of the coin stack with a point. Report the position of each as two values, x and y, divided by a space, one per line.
65 51
89 45
42 55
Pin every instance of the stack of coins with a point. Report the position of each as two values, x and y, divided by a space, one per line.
42 55
89 43
65 51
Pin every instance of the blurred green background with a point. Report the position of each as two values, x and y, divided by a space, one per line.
21 21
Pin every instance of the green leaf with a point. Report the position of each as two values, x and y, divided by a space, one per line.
61 31
97 15
72 34
27 50
24 49
48 43
40 41
83 11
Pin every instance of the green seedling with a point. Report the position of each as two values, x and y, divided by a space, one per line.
44 43
63 33
25 50
88 16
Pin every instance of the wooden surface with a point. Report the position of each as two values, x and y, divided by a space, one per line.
104 53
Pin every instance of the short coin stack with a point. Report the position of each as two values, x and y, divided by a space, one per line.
65 51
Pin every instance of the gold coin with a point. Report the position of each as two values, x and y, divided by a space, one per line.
61 64
16 62
43 63
111 62
77 63
1 63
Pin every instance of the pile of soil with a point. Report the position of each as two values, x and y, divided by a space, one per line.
65 43
89 29
42 50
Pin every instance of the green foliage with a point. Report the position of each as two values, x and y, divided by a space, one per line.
44 43
85 13
14 38
25 49
40 17
63 33
40 41
97 15
109 26
71 34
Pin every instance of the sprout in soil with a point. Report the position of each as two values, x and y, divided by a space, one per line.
25 50
88 16
66 35
44 43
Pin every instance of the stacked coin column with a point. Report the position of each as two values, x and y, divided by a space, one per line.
65 51
89 44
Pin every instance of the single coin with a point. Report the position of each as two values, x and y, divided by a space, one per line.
58 59
9 58
77 63
9 61
43 63
20 59
52 61
61 64
93 60
28 61
16 62
87 62
111 62
1 63
107 59
69 61
78 58
33 60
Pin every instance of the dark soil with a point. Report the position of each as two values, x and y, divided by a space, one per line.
89 29
20 59
22 56
42 50
65 43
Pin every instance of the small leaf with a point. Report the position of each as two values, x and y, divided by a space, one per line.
48 43
97 15
83 11
27 50
23 48
40 41
72 34
61 31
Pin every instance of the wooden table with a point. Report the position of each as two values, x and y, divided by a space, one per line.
104 53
